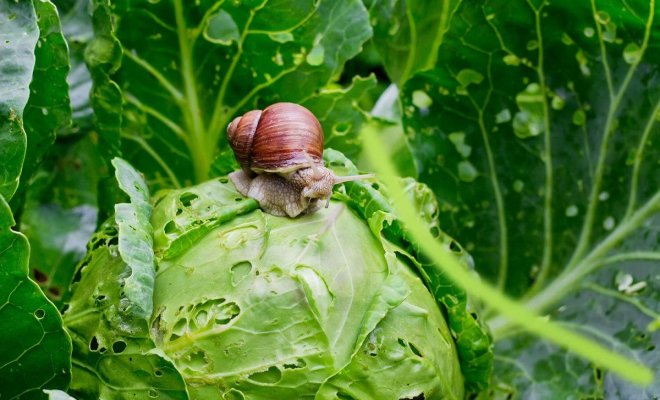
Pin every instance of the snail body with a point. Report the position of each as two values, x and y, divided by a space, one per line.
280 151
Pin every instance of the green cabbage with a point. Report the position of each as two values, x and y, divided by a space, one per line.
251 306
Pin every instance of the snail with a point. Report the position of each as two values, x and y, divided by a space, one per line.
280 151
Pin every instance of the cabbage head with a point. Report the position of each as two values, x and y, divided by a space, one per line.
251 306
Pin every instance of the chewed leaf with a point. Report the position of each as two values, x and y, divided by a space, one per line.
135 239
474 344
36 349
19 34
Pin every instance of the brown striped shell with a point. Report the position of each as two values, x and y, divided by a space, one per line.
276 139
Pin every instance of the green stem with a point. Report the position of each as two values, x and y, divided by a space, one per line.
143 143
220 117
585 235
190 107
546 260
632 202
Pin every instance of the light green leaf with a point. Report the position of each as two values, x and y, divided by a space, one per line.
407 34
18 34
181 89
48 109
371 201
113 355
135 239
562 126
36 349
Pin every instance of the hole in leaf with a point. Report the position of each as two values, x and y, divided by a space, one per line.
238 199
187 198
114 241
455 247
64 308
300 363
226 313
102 350
435 232
401 342
179 211
40 276
153 393
119 346
39 313
197 360
650 348
180 327
223 180
93 344
171 228
415 350
418 397
474 316
375 186
158 373
54 291
234 394
240 271
271 375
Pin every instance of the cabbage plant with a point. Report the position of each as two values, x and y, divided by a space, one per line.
534 124
247 305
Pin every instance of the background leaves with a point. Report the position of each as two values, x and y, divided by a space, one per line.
36 351
19 34
538 136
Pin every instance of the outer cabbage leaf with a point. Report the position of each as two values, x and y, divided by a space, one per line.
471 336
113 356
179 99
538 138
19 33
36 350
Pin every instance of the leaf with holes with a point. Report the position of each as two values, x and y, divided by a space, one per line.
35 348
252 305
186 69
539 139
112 351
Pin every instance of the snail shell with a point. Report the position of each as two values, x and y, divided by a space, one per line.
280 139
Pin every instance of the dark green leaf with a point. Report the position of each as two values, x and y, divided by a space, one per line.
36 350
18 34
538 136
48 108
618 308
340 115
135 239
407 34
184 77
60 213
